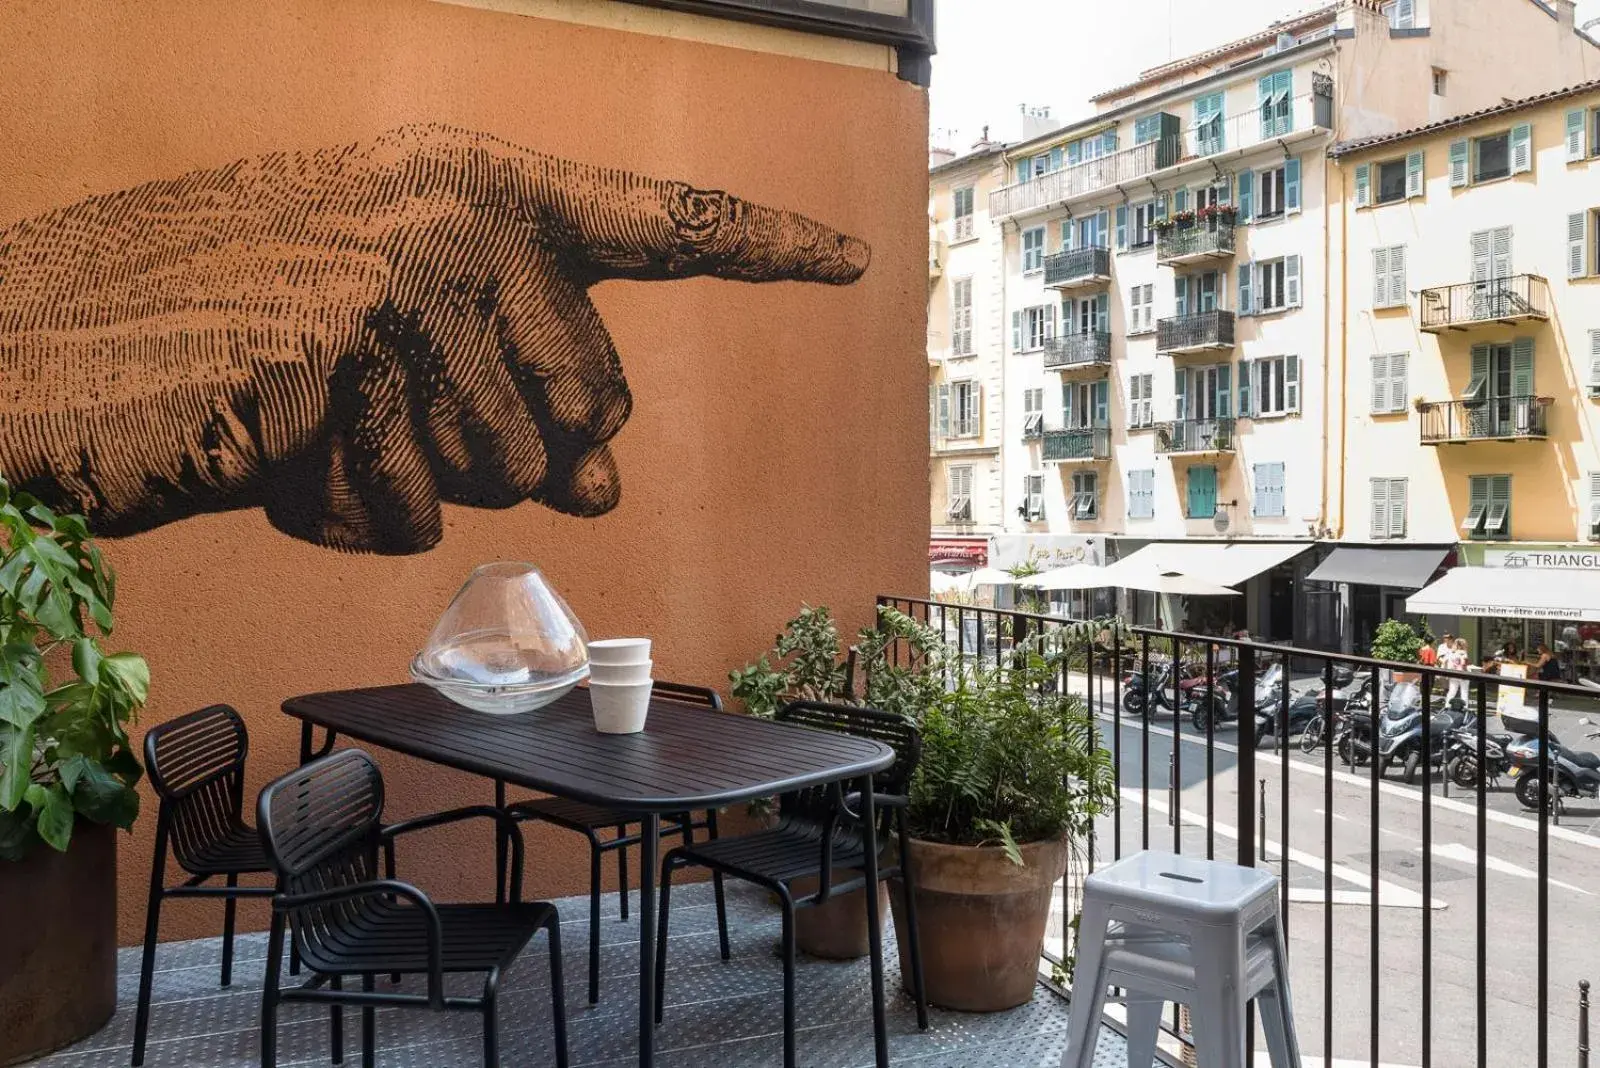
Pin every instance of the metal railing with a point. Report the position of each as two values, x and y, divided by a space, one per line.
1495 418
1201 239
1498 300
1305 113
1195 332
1078 350
1195 435
1386 902
1083 443
1078 265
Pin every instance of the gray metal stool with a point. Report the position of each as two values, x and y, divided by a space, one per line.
1197 932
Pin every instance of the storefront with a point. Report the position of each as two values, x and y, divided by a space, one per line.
957 556
1049 552
1512 601
1372 583
1269 575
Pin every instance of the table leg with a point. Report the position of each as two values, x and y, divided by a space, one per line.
649 835
309 751
500 845
880 1022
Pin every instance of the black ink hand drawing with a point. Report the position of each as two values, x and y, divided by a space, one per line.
350 336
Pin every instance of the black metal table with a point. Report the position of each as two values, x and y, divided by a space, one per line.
686 759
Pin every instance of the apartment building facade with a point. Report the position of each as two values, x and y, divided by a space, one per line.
1471 356
1166 282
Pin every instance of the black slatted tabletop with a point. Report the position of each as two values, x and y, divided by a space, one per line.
686 758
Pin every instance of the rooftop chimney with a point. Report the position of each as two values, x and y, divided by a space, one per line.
939 156
1037 121
1567 15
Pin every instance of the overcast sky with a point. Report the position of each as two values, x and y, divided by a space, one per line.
995 55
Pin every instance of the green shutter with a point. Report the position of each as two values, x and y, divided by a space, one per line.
1102 403
1522 367
944 411
1180 293
1415 186
1575 135
1291 281
1478 384
1247 195
1458 164
1066 235
1102 313
1180 394
1364 186
1202 492
1522 148
1291 185
1246 379
1066 405
1223 398
1291 383
1247 302
1122 227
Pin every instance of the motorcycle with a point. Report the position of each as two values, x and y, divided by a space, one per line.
1574 773
1196 696
1354 688
1400 733
1461 754
1304 708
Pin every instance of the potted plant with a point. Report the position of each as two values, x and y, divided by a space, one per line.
67 776
1398 641
808 662
1011 778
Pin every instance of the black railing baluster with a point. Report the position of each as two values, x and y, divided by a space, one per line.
1283 793
1177 747
1373 1006
1247 760
1211 761
1483 877
1427 870
1144 740
1552 791
1327 861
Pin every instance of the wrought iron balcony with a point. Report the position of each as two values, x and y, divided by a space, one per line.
1077 352
1199 240
1210 331
1494 419
1081 443
1078 268
1195 436
1498 300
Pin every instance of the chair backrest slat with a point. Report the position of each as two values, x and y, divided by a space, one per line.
815 804
196 765
685 693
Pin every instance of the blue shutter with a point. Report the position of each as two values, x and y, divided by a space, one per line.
1102 403
1180 200
1066 404
1247 292
1074 153
1246 378
1291 185
1016 331
1202 492
1180 393
1122 227
1055 159
1364 186
1066 235
1180 293
1522 148
1102 313
1247 195
1291 383
1291 281
1224 393
1459 170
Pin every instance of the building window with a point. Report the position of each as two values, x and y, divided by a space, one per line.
1440 79
1389 277
1277 114
1594 363
1273 183
1032 327
1269 387
1583 250
1144 221
1086 405
1142 308
1032 498
1269 502
960 508
1402 14
1391 181
1033 249
1032 412
961 317
1486 159
1147 128
965 397
1085 495
1488 508
1491 157
963 213
1202 495
1141 401
1389 386
1271 295
1388 508
1142 494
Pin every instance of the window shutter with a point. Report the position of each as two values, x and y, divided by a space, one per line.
1594 362
1247 300
1122 227
1223 398
1068 408
1291 185
1398 489
1016 331
1458 164
1276 476
1399 380
1380 383
1414 175
1480 256
1247 376
1500 500
1500 252
1522 148
1102 313
1102 223
1066 235
1180 200
1397 275
1102 403
1380 507
1180 293
1380 277
1477 501
1055 159
1291 383
1247 195
1291 281
1575 135
1049 321
1522 367
1364 186
944 411
1161 206
1480 370
1180 394
1132 414
1577 244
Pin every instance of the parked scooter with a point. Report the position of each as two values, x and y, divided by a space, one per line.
1400 733
1573 773
1303 709
1461 754
1196 696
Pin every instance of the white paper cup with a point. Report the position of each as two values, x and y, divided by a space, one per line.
620 674
620 708
613 651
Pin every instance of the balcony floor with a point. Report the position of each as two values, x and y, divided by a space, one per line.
719 1015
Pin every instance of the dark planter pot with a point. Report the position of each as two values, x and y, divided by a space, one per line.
58 944
982 921
836 929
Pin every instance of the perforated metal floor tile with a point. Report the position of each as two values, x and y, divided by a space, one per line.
719 1014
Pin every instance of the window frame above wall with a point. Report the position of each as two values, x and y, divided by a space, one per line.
957 217
911 33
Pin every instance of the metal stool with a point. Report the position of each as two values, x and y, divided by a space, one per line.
1196 932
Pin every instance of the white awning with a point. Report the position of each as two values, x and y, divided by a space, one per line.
1220 564
1077 577
1511 593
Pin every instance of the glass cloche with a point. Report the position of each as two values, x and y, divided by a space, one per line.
507 643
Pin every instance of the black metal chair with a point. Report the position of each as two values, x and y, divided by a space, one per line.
592 821
818 833
321 828
196 764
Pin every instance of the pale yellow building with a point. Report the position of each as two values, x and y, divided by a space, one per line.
1468 342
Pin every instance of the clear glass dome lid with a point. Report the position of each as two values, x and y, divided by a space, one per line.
506 630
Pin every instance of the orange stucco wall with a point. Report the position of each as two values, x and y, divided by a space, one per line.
774 452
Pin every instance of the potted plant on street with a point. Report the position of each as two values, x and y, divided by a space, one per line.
1011 779
1396 640
67 776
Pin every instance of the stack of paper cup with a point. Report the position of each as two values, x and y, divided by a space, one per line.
620 684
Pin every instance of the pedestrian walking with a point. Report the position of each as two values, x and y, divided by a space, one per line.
1456 659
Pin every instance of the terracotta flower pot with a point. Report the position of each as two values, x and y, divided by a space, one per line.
982 921
836 930
58 944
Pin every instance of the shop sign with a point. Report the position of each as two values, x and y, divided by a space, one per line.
964 551
1574 559
1046 552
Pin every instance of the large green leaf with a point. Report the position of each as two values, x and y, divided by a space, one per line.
56 816
21 684
16 754
17 834
131 671
86 659
98 794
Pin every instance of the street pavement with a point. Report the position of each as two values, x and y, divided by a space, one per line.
1356 842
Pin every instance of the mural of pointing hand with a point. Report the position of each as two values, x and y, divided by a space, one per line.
349 337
